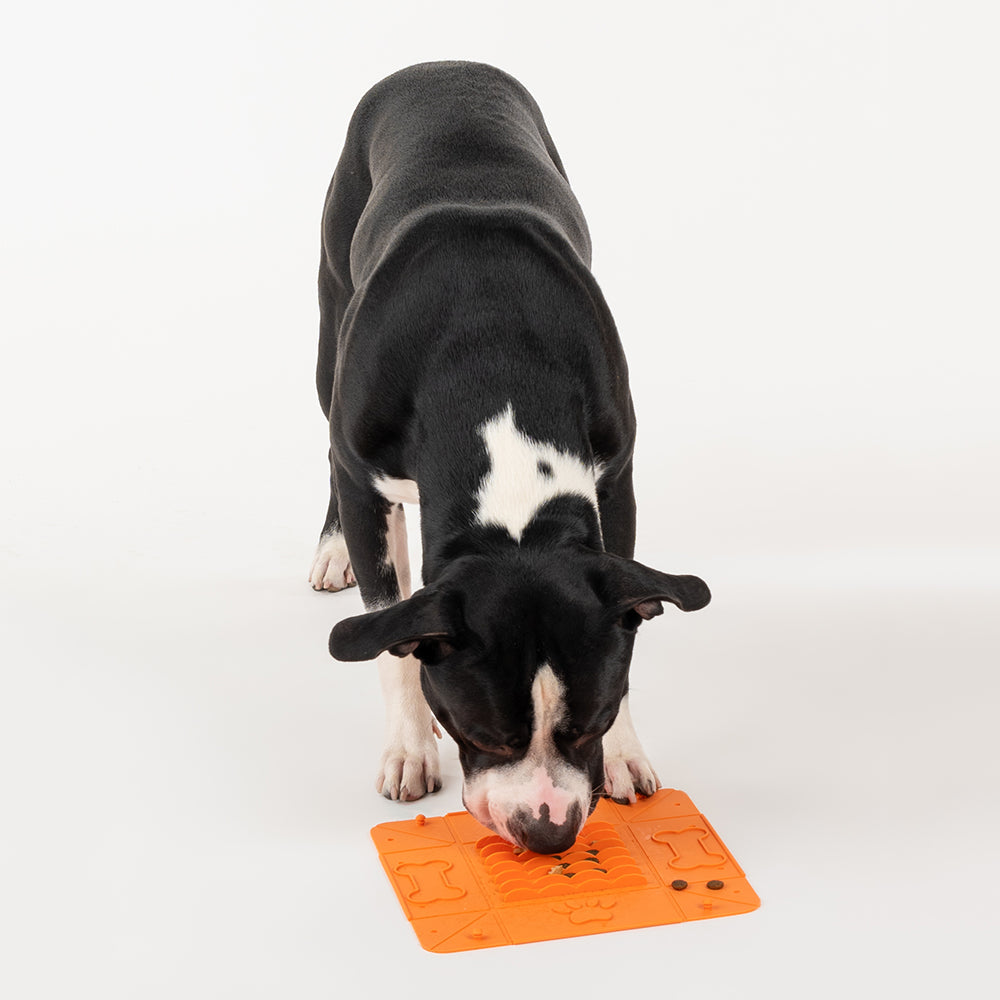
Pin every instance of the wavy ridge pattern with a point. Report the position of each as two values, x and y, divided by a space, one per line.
597 860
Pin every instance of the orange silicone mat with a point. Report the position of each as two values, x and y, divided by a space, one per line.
656 862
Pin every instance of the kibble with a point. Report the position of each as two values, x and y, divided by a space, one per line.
714 884
679 884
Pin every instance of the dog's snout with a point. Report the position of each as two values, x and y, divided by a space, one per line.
543 836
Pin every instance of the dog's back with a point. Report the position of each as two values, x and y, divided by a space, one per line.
456 265
418 149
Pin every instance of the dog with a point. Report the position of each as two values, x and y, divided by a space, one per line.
468 362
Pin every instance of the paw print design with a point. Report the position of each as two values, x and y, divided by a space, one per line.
586 911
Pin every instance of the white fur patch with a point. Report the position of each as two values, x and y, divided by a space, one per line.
548 702
524 474
542 777
397 490
331 568
396 553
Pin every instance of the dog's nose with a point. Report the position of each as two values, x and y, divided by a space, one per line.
543 836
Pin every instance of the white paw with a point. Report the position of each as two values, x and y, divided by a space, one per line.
626 777
409 770
331 568
627 771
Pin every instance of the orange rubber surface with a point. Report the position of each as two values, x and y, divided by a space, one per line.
463 887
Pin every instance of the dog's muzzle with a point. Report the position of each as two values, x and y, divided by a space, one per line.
540 834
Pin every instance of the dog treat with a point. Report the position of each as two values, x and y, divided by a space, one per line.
679 884
714 884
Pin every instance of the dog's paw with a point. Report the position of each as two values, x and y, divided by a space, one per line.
409 769
331 568
626 777
627 771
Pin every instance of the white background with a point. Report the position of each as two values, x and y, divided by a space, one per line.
794 210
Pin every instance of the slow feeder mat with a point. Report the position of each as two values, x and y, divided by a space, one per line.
656 862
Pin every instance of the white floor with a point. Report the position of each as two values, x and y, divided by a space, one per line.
188 786
792 208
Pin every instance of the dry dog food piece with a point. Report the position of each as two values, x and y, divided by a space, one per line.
558 869
678 884
714 884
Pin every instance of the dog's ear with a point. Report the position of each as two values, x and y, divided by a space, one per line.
630 586
399 629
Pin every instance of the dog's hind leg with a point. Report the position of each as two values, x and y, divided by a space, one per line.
331 568
345 200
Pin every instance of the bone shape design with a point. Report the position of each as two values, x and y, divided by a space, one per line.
689 848
586 911
428 881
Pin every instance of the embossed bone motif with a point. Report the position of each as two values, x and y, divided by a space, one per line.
429 881
690 850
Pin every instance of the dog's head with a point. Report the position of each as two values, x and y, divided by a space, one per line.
524 660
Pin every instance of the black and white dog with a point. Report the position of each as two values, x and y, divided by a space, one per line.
469 363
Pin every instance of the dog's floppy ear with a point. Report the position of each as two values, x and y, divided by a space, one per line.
632 586
399 629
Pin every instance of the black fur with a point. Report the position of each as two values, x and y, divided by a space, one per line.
454 281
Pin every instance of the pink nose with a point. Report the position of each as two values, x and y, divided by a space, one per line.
541 792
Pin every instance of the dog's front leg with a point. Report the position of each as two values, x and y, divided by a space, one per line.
627 770
409 767
375 532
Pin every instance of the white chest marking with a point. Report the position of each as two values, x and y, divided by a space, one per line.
524 474
397 490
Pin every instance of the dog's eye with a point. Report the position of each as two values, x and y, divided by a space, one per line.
433 651
577 738
503 750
